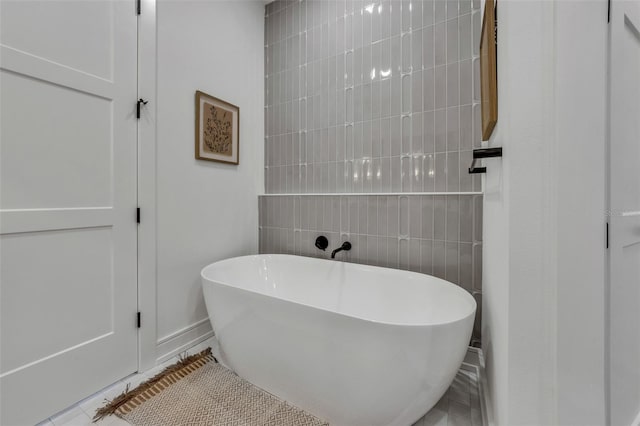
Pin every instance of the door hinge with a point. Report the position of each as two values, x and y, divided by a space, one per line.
138 6
139 105
138 215
607 235
608 10
139 319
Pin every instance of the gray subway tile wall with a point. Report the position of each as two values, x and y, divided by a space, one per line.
375 97
371 96
439 235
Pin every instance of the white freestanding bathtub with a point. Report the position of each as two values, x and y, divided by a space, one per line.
354 345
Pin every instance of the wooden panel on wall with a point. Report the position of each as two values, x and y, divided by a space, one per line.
488 70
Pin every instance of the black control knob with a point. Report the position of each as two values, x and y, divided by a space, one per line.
322 243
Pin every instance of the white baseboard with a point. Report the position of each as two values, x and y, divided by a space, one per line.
636 422
485 396
181 340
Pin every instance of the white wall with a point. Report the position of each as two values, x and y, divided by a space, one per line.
581 104
205 211
513 221
543 272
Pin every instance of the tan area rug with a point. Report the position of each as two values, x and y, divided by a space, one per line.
199 391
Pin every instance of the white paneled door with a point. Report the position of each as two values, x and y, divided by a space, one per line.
68 286
624 222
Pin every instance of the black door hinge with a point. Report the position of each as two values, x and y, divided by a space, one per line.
138 106
138 215
139 319
138 6
608 10
607 235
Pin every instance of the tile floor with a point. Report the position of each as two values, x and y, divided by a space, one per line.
460 406
81 414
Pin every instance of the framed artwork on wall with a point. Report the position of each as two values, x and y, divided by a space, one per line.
488 70
217 129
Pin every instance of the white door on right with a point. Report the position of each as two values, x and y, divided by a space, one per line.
624 222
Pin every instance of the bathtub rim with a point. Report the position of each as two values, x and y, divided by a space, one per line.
463 292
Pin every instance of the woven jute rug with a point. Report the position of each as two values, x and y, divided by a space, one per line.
199 391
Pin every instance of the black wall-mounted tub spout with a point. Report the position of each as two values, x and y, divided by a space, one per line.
346 246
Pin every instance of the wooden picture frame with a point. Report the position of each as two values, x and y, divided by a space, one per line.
217 130
488 70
